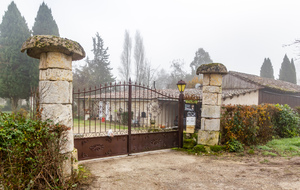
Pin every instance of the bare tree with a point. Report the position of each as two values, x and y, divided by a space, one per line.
139 57
177 72
148 73
125 67
162 79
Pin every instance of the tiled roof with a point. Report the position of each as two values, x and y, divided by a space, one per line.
234 92
267 82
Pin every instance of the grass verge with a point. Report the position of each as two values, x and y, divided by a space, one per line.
282 147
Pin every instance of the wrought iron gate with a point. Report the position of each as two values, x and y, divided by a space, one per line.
124 118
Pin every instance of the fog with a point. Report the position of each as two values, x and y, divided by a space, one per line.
239 34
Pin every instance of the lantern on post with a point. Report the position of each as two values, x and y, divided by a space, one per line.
181 86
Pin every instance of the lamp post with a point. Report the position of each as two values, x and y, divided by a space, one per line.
181 87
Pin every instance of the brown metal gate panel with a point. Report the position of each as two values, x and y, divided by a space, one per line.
98 147
153 141
124 118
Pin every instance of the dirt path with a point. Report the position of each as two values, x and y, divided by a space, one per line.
170 169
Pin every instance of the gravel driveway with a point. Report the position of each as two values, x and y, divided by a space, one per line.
169 169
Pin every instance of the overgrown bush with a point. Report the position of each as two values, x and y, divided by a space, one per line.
29 153
252 125
234 145
286 122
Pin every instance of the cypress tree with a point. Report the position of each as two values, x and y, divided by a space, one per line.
15 79
44 23
293 71
266 69
286 70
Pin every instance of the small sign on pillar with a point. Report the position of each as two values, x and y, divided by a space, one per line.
190 124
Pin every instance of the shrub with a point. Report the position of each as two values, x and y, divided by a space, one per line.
249 125
286 122
253 125
217 148
29 153
189 143
235 146
199 148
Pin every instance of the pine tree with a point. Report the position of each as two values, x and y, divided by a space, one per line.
15 76
266 69
286 70
201 57
44 23
97 70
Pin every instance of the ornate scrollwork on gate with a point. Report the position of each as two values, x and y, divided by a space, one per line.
97 147
84 155
156 141
108 152
84 141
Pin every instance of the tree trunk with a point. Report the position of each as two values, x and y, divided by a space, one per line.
14 103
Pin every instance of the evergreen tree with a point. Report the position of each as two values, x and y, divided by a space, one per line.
286 70
15 76
96 71
266 69
44 23
201 57
293 71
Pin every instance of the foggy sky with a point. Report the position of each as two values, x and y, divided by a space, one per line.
237 33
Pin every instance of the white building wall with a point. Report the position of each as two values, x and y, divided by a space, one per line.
246 99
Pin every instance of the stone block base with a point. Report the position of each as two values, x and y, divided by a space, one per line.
75 159
208 137
70 164
67 165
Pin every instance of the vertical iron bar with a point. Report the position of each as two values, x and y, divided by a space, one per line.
89 100
95 103
115 105
180 120
110 116
105 86
100 108
135 104
124 105
139 116
84 110
129 117
78 110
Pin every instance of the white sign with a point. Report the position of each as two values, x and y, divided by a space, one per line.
190 120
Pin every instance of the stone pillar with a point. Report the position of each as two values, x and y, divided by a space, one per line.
211 102
55 83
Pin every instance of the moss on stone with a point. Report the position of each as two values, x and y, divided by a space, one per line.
200 149
189 143
212 68
36 45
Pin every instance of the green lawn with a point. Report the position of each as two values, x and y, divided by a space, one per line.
282 147
87 126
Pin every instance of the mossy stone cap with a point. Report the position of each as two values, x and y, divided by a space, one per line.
36 45
212 68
